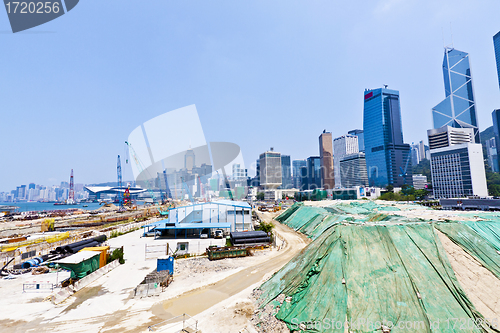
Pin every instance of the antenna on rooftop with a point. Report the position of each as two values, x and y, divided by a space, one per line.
451 32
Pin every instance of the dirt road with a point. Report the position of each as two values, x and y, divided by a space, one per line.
196 301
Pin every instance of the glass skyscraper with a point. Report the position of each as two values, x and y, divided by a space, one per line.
387 156
297 165
286 172
458 108
496 123
496 43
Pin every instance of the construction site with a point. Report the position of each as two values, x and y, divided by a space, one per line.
330 266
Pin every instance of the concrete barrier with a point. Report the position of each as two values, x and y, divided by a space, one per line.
64 293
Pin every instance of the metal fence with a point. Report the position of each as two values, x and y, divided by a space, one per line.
38 287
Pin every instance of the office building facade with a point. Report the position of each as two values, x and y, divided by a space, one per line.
296 166
457 166
270 169
419 181
286 172
342 146
353 170
311 174
458 109
387 156
326 160
415 155
491 150
361 138
496 123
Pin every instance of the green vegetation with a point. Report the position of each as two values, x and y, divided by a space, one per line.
117 254
266 226
493 181
407 193
423 168
260 196
116 233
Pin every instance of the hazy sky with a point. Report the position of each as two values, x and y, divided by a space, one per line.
261 73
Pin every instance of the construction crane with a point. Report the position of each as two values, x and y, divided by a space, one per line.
120 184
71 195
404 172
148 184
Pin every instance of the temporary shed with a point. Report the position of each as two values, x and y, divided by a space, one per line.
80 264
103 259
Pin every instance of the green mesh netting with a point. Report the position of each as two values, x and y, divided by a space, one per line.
369 274
286 214
474 244
488 230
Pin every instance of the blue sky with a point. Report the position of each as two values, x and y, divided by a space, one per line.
261 73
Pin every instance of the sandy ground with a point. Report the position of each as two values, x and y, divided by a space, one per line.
234 313
480 285
108 305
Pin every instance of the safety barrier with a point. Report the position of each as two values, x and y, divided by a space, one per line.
38 286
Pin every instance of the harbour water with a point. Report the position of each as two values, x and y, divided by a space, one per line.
47 206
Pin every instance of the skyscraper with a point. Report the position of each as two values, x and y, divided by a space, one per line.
458 108
353 170
361 138
343 145
496 123
387 156
270 169
491 150
326 160
496 43
286 172
313 173
415 155
296 166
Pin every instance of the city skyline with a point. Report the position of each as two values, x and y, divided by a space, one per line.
76 111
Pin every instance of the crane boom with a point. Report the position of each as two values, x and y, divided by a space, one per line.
148 184
119 174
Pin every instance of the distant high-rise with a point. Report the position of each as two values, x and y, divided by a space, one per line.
415 155
313 174
496 43
286 172
353 170
342 146
491 150
457 165
361 138
387 156
421 150
458 108
496 123
270 169
326 160
189 160
296 166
